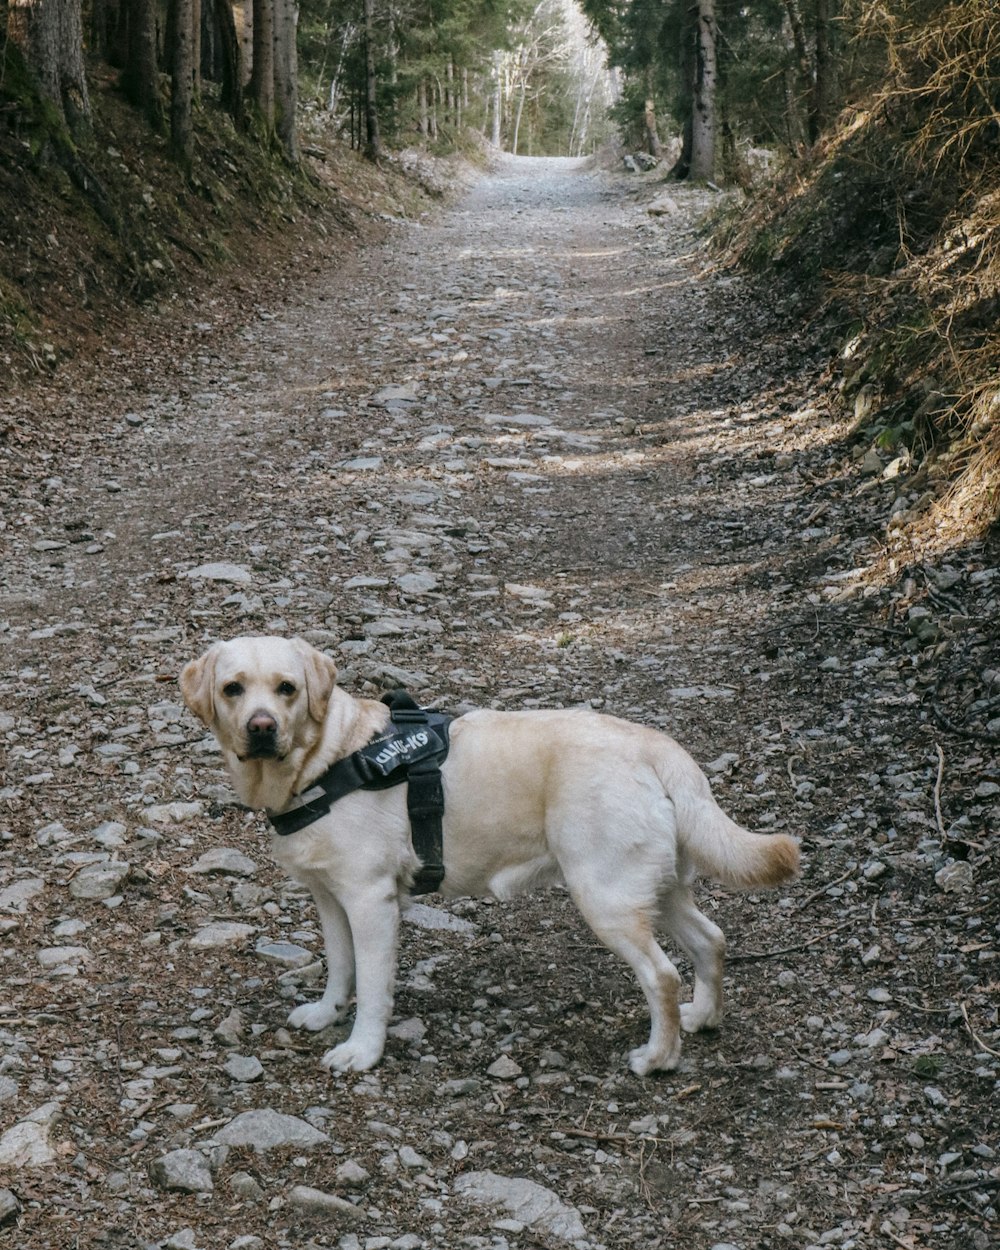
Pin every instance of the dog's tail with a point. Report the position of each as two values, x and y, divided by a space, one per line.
719 847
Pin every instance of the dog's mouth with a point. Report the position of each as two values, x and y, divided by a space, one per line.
261 751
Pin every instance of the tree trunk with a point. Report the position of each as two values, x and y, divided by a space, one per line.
422 107
49 36
807 89
182 80
373 142
261 88
825 90
286 77
652 136
687 68
232 67
517 118
497 101
140 79
196 48
99 28
243 19
703 116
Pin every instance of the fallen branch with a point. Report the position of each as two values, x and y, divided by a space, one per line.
742 956
974 1035
937 793
823 889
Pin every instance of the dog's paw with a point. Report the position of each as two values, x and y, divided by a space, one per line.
694 1019
644 1059
316 1016
353 1056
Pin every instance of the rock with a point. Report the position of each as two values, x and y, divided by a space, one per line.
99 881
110 834
426 917
351 1174
243 1068
531 419
399 395
955 878
460 1087
411 1030
183 1239
533 1205
316 1202
663 206
417 583
18 895
221 933
186 1170
173 813
532 594
53 956
26 1144
224 859
266 1129
505 1069
411 1159
221 572
287 954
230 1030
245 1186
9 1207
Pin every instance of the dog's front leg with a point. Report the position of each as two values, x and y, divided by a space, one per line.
339 948
374 919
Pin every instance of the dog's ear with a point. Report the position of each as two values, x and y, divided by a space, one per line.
321 677
197 683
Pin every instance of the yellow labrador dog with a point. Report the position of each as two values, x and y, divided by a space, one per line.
621 814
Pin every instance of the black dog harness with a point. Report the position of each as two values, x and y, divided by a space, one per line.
410 749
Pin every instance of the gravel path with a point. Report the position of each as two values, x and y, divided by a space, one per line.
532 451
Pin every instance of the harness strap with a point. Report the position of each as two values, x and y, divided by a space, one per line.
391 758
424 798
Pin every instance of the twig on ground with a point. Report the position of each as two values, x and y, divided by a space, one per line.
937 793
823 889
974 1035
620 1139
907 1245
167 746
742 956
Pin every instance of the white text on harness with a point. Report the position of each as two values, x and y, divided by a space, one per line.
402 746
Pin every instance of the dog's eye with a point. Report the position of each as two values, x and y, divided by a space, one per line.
232 689
286 688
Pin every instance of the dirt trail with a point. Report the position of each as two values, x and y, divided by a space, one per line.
533 451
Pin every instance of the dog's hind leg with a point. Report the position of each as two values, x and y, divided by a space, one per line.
339 948
705 945
629 933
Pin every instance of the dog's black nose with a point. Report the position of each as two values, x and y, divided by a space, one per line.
262 736
261 725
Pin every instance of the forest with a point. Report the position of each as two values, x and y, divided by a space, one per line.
854 142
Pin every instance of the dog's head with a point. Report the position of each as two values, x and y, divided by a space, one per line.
261 697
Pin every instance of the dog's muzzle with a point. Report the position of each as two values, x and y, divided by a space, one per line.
262 737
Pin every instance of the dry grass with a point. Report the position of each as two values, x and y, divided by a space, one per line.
894 223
